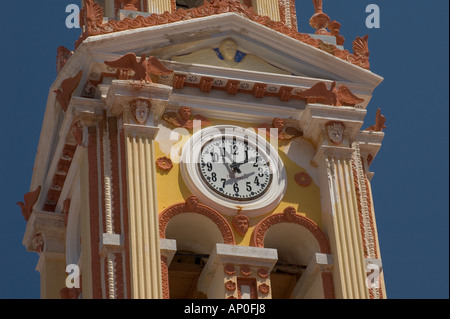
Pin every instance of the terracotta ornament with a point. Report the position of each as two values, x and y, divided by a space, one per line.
379 123
246 270
263 273
284 132
164 164
319 93
142 68
290 214
303 179
91 18
184 118
335 131
140 109
68 86
229 269
240 224
264 288
230 285
29 200
320 20
63 55
192 203
129 5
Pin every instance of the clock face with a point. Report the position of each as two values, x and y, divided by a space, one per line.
234 168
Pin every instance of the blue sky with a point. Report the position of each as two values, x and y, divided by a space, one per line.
410 187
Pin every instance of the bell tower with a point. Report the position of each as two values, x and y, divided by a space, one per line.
207 149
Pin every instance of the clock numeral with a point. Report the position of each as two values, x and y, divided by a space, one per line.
249 187
223 180
209 165
261 172
214 177
236 187
256 181
214 157
256 161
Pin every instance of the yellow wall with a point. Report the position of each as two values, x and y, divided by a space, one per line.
172 190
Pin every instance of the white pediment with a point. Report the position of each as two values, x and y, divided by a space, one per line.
197 42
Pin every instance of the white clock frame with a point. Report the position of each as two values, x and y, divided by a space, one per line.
190 157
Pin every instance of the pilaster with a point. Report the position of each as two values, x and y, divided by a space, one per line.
139 106
333 129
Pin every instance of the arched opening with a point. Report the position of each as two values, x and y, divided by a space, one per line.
295 246
196 236
298 240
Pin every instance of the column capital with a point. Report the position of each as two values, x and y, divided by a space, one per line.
45 232
323 123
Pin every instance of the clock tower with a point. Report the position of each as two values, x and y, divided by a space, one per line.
207 149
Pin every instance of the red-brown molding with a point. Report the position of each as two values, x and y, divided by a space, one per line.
30 199
193 206
91 19
286 216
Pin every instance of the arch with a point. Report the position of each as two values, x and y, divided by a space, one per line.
193 206
289 216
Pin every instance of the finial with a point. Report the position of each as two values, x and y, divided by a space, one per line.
319 20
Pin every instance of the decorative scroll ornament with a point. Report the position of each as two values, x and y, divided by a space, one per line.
91 17
184 118
29 200
335 131
142 68
319 93
140 109
68 86
379 123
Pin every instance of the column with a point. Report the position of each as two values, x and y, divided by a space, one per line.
137 111
333 130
